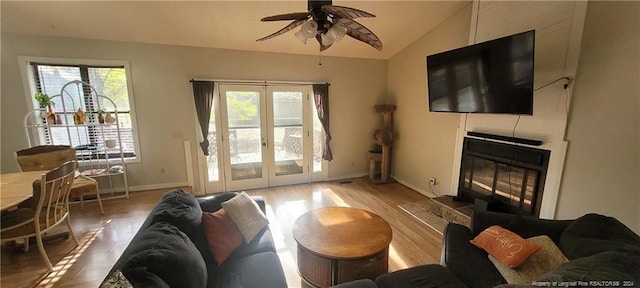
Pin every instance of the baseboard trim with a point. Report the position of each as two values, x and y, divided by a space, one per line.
413 187
338 178
420 190
158 186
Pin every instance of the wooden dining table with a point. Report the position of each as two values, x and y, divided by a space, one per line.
17 187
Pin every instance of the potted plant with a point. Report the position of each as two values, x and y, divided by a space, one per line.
100 113
45 101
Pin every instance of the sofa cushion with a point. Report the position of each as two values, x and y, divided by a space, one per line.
178 208
256 270
593 233
247 215
146 279
222 234
623 267
183 211
425 276
506 246
262 242
213 204
166 252
546 259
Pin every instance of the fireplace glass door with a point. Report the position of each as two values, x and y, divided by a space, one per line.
510 175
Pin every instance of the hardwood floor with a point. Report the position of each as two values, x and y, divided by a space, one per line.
104 237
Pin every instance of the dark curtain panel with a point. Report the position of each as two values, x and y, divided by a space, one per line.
203 97
321 97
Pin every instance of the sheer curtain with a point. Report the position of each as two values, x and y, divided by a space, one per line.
203 97
321 98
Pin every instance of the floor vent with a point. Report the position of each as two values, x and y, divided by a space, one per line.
345 182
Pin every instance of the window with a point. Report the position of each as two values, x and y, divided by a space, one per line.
108 80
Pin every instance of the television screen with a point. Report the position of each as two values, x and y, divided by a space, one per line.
490 77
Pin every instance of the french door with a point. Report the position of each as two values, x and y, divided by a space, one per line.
264 138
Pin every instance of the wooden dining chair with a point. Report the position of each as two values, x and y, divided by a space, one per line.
47 157
51 210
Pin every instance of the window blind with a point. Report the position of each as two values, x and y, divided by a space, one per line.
109 81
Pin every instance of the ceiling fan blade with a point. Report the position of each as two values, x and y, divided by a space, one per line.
345 12
359 32
322 47
288 16
286 29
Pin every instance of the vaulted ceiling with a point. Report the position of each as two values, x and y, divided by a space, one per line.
221 24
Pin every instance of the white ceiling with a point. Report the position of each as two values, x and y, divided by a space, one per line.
221 24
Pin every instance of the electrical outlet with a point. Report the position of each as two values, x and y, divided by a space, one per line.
433 181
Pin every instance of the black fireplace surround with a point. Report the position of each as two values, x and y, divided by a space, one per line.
503 177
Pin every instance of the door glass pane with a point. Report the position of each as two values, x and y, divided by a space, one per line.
212 159
318 140
288 133
245 143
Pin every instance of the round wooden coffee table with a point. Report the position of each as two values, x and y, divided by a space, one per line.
341 244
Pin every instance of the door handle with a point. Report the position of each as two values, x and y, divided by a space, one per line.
264 143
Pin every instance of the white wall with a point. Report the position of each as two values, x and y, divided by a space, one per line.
425 144
597 43
602 170
558 30
164 102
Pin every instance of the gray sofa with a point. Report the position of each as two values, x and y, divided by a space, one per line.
170 250
600 249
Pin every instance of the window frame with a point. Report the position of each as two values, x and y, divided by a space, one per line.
30 88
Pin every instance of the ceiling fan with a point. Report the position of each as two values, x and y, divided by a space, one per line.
327 23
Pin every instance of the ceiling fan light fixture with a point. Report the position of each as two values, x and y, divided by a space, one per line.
338 31
309 28
327 39
327 23
301 37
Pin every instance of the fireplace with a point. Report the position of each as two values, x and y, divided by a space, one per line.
503 177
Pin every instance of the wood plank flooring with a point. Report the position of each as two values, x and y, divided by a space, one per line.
104 237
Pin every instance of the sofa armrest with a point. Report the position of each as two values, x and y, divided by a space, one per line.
467 261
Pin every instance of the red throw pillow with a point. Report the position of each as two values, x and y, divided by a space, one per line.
507 247
222 234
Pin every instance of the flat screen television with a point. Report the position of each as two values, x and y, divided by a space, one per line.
490 77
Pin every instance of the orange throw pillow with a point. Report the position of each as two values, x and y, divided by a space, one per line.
222 234
507 247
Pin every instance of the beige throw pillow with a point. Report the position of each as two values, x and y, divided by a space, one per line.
546 259
247 215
